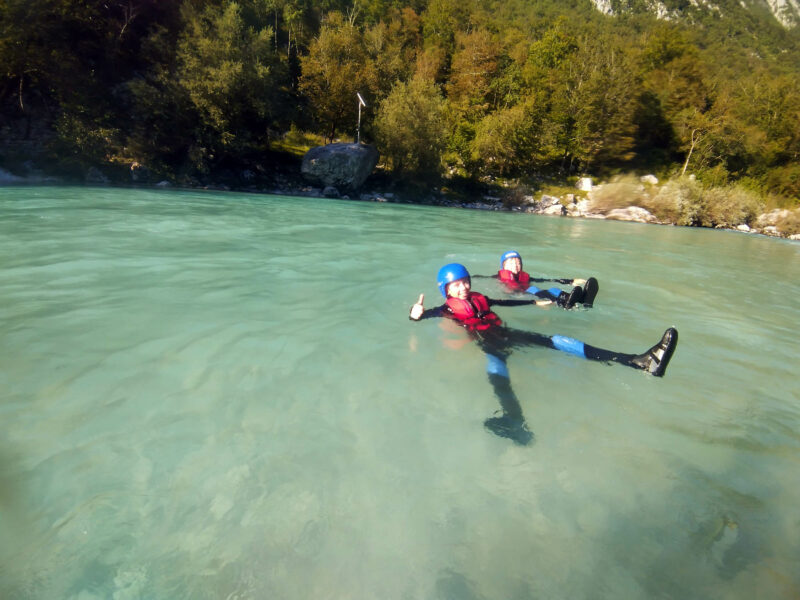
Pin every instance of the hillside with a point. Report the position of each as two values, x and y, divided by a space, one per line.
467 90
785 12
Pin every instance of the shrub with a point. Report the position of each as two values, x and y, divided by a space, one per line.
620 193
730 206
790 224
686 202
514 197
679 201
785 181
683 201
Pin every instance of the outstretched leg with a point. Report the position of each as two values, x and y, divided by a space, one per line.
511 423
560 297
654 360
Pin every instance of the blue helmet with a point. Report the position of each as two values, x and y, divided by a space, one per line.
509 254
448 274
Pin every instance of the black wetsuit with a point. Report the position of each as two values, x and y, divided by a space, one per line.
554 294
497 341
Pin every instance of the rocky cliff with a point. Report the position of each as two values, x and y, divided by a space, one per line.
786 12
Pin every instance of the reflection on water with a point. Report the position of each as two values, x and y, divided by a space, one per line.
221 396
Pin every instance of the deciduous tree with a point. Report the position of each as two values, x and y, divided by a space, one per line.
411 127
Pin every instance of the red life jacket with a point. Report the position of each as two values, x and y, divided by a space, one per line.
474 313
521 280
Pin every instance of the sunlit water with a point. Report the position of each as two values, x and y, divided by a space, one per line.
221 396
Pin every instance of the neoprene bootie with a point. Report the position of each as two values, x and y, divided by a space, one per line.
568 300
656 359
590 291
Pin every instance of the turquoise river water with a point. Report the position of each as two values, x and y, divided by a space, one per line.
220 396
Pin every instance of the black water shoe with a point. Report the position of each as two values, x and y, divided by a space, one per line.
590 291
568 300
656 359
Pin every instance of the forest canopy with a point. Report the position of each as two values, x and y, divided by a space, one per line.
510 88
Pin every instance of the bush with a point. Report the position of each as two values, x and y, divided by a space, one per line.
514 197
789 225
785 181
620 193
679 201
683 202
686 202
730 206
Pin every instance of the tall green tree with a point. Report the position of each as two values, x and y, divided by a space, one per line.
334 70
509 141
411 127
232 76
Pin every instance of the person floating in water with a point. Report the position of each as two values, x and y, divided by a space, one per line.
473 311
516 280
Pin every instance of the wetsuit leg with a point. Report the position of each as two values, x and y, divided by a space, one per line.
654 361
555 291
560 297
552 294
511 424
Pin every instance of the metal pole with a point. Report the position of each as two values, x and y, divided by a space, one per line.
358 127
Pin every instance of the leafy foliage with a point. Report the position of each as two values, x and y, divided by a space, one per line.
508 88
411 127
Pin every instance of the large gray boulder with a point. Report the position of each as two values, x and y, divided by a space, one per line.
6 177
343 166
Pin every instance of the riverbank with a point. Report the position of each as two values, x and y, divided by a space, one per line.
641 200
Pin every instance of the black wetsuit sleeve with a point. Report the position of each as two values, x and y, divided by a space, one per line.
543 280
484 276
432 313
493 302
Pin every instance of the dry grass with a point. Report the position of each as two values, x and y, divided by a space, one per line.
682 201
790 225
297 142
619 193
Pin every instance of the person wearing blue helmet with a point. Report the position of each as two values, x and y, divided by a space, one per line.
473 311
516 280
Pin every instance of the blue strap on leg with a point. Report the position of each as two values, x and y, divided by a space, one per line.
555 291
496 366
570 345
533 289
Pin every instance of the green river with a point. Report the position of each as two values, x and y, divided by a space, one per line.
220 396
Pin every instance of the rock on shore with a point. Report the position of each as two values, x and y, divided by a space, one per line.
344 167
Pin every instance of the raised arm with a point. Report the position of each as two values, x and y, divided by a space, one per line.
418 312
415 314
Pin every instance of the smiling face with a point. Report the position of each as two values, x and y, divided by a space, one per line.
513 264
459 288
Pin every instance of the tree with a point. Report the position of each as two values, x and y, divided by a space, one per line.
508 140
474 66
333 72
411 127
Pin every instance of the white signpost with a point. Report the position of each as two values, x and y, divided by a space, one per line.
358 127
